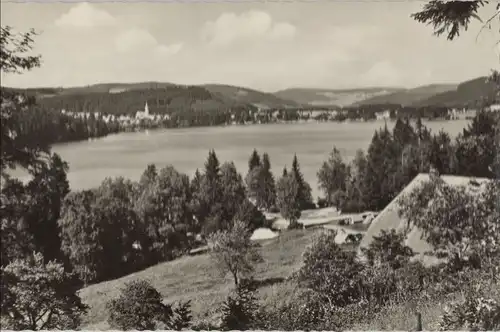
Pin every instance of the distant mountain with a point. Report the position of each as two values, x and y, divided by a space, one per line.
97 88
470 93
409 96
325 97
116 87
127 98
250 96
120 98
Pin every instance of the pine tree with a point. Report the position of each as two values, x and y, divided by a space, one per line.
254 160
381 166
304 189
268 183
196 181
212 167
260 184
403 133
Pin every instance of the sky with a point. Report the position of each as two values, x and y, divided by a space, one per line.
267 46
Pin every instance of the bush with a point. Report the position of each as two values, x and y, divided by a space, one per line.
303 311
240 309
476 314
140 307
322 203
204 326
295 225
331 272
388 248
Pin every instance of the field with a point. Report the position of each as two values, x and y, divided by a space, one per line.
196 279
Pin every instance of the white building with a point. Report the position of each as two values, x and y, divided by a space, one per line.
383 115
145 114
494 108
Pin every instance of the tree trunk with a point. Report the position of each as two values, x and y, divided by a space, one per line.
235 276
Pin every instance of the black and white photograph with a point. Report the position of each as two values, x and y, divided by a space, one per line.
235 165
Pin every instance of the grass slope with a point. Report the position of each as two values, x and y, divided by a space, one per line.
324 97
250 96
409 96
196 279
469 93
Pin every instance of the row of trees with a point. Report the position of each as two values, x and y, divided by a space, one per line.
123 226
52 126
371 180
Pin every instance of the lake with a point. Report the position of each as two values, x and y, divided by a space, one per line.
128 154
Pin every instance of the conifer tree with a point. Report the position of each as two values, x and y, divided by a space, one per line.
304 189
212 167
268 183
403 133
260 184
207 201
196 181
381 165
254 161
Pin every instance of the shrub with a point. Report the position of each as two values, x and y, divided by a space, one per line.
331 272
303 311
204 326
239 310
476 314
388 248
140 307
322 203
296 225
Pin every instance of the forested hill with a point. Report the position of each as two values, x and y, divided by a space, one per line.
121 98
254 97
128 98
409 97
333 97
164 99
470 93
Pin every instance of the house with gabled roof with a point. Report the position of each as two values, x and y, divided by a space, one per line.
389 217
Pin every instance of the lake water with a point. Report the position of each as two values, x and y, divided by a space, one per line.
127 154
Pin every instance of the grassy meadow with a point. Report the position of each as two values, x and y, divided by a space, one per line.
195 278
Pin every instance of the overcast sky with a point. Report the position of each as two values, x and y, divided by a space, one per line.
267 46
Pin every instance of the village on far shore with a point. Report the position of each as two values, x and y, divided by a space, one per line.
265 115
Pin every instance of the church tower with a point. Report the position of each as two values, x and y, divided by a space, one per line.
146 109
